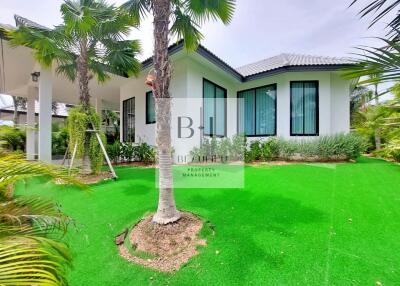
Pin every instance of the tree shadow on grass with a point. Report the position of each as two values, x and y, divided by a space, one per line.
244 224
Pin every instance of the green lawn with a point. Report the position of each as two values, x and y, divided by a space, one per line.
305 224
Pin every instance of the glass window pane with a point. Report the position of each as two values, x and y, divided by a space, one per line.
297 108
128 120
150 108
208 112
219 111
265 110
247 107
310 108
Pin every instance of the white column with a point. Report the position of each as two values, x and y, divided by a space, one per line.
30 122
45 99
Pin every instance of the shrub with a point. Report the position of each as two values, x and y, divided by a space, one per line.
114 151
12 138
254 153
59 141
145 153
238 147
127 151
269 149
223 148
392 150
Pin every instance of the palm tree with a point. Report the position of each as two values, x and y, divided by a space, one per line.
379 64
378 140
28 255
186 17
19 102
90 42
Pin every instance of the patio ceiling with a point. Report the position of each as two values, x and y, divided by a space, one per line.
18 63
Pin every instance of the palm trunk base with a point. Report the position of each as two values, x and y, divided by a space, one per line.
86 169
166 216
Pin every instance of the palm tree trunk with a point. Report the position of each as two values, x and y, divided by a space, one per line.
84 97
15 118
378 140
166 211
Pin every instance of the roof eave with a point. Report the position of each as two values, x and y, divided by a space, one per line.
201 50
308 68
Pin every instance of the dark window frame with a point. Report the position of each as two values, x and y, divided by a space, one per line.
255 109
215 109
147 115
125 120
316 108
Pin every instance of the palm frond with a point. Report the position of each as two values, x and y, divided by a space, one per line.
121 56
15 167
202 11
30 260
185 28
376 64
137 9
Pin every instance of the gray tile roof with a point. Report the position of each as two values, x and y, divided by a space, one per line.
21 21
289 60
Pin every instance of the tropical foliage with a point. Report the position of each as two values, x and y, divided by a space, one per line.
12 138
385 60
386 118
78 124
380 123
90 42
31 252
127 152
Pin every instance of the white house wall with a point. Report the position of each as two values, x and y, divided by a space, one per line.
187 82
138 89
340 104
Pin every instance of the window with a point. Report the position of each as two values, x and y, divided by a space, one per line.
150 108
128 120
214 109
257 111
304 108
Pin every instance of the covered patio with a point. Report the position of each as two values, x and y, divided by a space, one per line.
21 75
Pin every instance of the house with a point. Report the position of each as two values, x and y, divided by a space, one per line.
289 96
7 115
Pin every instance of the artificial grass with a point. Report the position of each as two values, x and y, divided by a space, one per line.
303 224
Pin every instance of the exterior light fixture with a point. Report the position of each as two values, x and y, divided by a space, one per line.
151 77
35 76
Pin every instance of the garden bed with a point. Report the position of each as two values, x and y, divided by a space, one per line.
163 247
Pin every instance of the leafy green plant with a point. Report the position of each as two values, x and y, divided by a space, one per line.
114 151
59 141
254 153
128 151
79 121
269 149
12 138
145 153
31 252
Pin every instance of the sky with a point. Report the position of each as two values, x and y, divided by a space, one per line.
259 29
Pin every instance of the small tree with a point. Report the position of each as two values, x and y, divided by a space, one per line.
90 42
186 17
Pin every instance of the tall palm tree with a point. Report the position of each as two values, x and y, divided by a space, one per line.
186 17
28 255
91 41
19 102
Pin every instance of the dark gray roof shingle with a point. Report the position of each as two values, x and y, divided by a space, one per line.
287 60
